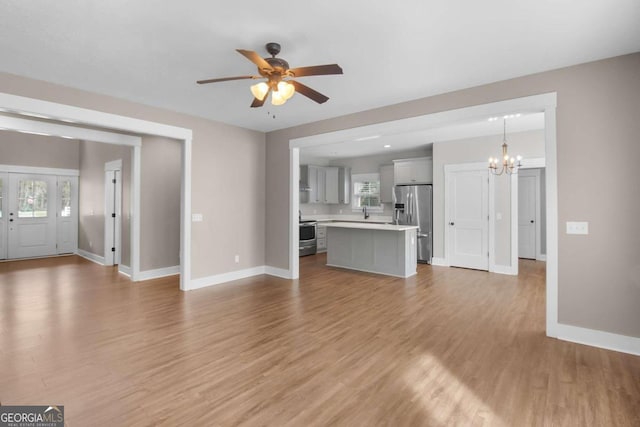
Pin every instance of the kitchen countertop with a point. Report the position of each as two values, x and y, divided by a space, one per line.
369 226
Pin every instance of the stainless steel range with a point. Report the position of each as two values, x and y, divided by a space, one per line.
308 240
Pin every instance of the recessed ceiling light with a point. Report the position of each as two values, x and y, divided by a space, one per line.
365 138
387 146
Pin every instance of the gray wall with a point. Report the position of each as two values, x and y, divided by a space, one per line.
528 144
597 120
228 166
93 156
160 203
24 149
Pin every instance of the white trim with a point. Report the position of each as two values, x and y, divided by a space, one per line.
185 216
492 222
114 165
541 257
135 212
218 279
277 272
442 262
68 113
83 116
39 170
124 269
504 269
91 256
601 339
159 272
294 203
513 217
551 180
66 131
533 163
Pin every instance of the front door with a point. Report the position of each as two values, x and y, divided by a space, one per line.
526 215
468 221
32 215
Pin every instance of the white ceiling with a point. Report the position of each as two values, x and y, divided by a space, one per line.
153 52
375 144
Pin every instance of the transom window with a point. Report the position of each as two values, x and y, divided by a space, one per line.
32 199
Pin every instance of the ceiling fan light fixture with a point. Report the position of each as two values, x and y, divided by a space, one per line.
277 98
286 90
260 90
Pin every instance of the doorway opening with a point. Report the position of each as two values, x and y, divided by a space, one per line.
544 103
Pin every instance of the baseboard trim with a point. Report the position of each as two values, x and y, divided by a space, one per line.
218 279
158 273
601 339
91 257
541 258
277 272
124 269
442 262
503 269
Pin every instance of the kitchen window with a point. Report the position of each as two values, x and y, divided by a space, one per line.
366 192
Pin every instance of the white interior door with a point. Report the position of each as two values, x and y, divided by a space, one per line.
113 220
468 222
527 208
32 215
4 187
67 214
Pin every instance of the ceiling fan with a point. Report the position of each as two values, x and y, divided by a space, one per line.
279 77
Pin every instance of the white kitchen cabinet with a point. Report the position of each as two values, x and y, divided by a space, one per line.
321 184
331 184
344 186
321 235
316 184
413 171
386 183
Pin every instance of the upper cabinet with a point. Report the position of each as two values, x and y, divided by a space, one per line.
324 184
330 185
386 183
413 171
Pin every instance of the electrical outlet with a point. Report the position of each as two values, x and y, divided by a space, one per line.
577 227
499 216
339 210
196 217
237 259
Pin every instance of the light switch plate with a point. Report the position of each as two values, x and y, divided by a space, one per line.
577 227
196 217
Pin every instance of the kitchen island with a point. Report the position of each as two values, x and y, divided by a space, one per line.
375 248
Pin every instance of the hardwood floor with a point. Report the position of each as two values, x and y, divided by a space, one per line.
448 347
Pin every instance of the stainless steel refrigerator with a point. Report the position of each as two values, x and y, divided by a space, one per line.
413 205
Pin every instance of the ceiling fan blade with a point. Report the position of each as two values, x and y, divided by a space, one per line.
308 92
255 58
225 79
316 70
257 103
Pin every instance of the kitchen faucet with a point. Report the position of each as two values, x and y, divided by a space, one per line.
366 214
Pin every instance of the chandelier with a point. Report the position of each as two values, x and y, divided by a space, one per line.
510 165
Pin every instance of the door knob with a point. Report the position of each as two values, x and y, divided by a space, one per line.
531 221
451 223
11 220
